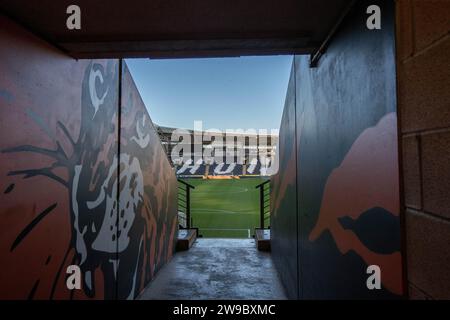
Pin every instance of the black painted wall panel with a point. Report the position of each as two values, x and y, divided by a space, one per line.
348 213
284 193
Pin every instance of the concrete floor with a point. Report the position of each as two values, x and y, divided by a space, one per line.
217 269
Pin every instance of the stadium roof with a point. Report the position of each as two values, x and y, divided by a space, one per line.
171 28
169 130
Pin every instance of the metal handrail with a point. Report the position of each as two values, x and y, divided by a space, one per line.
187 201
186 184
264 202
262 184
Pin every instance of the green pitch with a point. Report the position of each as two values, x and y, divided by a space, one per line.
225 208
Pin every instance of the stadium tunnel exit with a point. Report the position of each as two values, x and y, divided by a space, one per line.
363 147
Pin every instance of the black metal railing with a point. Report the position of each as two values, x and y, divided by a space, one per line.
184 204
264 203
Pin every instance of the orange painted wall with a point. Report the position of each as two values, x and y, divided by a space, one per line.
60 168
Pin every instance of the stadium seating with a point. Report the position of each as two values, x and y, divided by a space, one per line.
232 169
189 169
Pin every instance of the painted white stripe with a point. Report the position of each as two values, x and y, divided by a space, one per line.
225 229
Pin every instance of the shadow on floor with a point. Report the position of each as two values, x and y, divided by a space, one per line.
217 269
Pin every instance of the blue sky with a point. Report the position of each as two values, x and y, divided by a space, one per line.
225 93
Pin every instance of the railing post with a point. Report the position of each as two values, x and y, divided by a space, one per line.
261 207
187 201
188 207
262 202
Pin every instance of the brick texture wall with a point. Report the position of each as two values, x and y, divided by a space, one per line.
423 54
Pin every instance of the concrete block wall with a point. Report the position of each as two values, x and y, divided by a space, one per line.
423 67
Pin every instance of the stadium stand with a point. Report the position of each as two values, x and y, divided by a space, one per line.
248 151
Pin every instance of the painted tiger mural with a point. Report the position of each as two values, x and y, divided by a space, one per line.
85 180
